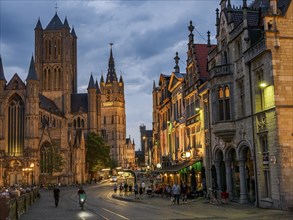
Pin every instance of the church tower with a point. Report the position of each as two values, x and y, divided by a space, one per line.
113 123
56 61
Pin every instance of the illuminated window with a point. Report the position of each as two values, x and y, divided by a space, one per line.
260 85
224 103
15 126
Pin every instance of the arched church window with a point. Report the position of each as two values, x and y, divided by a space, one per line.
74 123
82 123
78 122
15 126
46 156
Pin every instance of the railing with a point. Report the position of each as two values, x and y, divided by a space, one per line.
13 207
221 70
254 51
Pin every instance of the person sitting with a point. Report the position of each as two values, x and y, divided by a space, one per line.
81 193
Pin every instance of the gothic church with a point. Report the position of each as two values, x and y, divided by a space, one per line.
44 120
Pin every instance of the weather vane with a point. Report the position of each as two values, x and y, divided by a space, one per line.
111 44
56 6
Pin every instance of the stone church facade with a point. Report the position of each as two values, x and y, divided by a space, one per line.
44 121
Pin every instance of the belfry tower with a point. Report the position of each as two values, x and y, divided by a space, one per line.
56 61
113 122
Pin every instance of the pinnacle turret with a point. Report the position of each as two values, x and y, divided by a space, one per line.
111 76
32 74
2 77
91 83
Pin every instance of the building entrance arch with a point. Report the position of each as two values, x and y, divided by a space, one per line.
247 175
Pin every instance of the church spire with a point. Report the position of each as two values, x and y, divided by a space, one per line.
176 68
32 74
111 76
39 25
91 83
2 77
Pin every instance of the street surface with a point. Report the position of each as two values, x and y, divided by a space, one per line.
102 203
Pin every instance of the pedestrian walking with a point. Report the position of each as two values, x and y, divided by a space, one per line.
136 191
56 193
184 192
115 188
140 191
176 193
143 186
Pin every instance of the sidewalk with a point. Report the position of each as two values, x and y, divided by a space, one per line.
202 207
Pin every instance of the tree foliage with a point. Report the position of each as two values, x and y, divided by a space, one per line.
58 162
97 153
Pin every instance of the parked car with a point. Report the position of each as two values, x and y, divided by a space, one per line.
113 179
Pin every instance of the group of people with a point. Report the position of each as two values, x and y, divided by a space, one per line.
14 191
175 192
179 190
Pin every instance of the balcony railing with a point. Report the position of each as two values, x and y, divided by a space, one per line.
255 50
221 70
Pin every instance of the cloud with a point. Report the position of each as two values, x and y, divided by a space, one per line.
146 36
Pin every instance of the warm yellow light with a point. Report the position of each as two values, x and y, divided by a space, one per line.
197 109
262 84
32 165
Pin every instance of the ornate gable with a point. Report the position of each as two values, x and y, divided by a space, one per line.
15 83
174 81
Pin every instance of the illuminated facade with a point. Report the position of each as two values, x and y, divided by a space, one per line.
44 121
238 112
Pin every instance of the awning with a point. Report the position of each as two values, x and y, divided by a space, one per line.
179 166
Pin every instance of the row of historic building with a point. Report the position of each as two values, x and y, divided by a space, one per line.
226 123
44 121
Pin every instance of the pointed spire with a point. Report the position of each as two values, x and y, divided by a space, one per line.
39 25
154 85
91 83
32 74
111 76
2 77
191 28
55 23
176 68
73 33
121 79
66 25
217 21
209 39
102 78
97 87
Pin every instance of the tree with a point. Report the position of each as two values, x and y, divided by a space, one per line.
97 153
